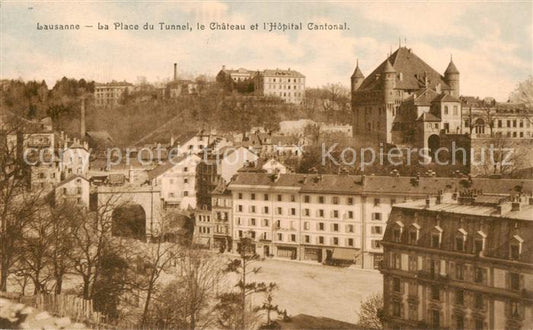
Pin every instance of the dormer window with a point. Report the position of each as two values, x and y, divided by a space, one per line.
397 231
460 240
479 243
436 237
414 233
515 247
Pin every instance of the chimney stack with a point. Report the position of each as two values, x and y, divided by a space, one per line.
82 119
175 71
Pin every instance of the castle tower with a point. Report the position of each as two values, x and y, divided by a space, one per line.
357 77
451 77
389 82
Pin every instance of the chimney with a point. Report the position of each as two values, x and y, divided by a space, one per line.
175 71
82 118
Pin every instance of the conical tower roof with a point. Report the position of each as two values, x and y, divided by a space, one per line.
357 72
451 68
388 67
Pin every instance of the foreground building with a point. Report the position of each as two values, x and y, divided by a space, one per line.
461 261
332 218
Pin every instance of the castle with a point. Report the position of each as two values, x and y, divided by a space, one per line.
404 101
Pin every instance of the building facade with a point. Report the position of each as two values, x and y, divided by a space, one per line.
310 216
110 94
460 261
288 85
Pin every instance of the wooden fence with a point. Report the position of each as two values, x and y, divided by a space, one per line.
61 305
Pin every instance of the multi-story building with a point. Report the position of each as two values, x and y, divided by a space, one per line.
461 261
288 85
221 216
177 181
311 216
203 228
388 102
488 118
110 94
74 190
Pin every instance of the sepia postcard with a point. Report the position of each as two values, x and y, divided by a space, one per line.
266 164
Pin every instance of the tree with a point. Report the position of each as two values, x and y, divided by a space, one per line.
233 310
187 301
16 206
371 312
524 93
269 306
158 256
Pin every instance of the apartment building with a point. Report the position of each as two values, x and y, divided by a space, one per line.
332 217
73 190
110 94
288 85
177 181
460 261
221 215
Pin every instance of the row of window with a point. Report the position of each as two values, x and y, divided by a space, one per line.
460 239
307 239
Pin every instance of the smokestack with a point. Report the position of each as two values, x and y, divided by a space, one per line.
82 119
175 71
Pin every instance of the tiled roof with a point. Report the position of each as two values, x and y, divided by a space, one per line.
282 73
425 97
451 68
357 72
426 116
411 67
446 98
344 184
165 167
72 178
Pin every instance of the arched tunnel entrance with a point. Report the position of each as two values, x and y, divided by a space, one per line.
129 221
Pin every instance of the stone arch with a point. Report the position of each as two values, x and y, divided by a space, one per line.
433 144
129 220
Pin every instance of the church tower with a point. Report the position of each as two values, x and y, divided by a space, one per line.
357 77
451 77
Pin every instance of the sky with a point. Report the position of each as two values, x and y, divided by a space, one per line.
491 42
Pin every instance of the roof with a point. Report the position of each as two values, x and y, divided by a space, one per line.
100 137
446 98
388 67
525 212
426 116
412 68
159 170
451 68
282 73
72 178
357 72
403 185
424 97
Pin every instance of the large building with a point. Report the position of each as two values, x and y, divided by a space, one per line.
461 261
110 94
405 101
311 216
289 85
